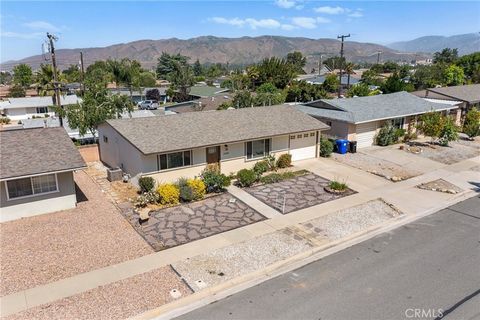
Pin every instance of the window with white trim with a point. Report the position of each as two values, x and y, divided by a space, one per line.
174 160
42 110
25 187
258 148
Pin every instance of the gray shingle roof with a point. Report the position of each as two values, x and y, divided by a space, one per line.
469 93
365 109
198 129
29 102
27 152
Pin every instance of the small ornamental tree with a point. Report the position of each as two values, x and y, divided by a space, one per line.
431 124
471 126
449 131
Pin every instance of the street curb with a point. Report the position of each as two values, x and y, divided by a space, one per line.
230 287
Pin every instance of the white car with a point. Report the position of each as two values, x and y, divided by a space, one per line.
148 105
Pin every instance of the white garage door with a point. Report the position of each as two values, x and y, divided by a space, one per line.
303 146
366 134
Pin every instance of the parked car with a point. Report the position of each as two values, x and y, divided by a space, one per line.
148 105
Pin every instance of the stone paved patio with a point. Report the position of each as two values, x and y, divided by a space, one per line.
296 193
181 224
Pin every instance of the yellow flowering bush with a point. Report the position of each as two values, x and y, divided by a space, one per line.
198 187
169 194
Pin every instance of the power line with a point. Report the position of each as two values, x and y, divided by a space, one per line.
341 63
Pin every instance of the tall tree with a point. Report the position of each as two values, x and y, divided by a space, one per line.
44 80
182 80
447 56
276 71
331 83
395 84
453 75
22 75
72 74
297 61
349 71
168 63
197 69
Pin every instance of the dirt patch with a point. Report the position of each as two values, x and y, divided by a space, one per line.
119 300
455 152
383 168
440 185
50 247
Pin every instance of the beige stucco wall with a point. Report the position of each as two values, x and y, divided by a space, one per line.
232 159
64 199
118 152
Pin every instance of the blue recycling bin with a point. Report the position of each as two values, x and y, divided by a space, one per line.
342 146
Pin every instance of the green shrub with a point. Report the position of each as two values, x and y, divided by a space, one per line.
198 188
146 184
169 194
186 192
260 167
277 177
326 148
388 134
336 185
449 132
272 163
4 120
284 161
246 177
471 126
214 180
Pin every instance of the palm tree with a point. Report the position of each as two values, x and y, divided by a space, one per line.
44 80
349 70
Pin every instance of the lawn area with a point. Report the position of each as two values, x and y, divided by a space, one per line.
296 193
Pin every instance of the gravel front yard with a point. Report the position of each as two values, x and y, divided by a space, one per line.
118 300
349 221
50 247
384 168
227 263
296 193
455 152
188 222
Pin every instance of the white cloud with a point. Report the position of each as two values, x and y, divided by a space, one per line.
323 20
305 22
288 27
41 25
10 34
250 22
286 4
356 14
330 10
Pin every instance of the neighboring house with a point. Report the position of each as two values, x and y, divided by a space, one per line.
30 107
468 95
36 172
197 92
321 79
138 96
202 104
360 118
170 147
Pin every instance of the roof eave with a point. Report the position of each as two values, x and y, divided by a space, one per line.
42 173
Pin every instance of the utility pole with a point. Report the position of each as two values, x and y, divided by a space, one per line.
320 64
341 63
52 38
82 73
378 56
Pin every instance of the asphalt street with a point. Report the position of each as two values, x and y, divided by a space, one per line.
428 269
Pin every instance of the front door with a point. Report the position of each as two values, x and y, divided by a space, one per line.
213 154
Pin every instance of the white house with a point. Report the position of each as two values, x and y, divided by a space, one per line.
30 107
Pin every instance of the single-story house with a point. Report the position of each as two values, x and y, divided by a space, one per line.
360 118
138 96
202 104
182 145
30 107
467 95
36 172
320 79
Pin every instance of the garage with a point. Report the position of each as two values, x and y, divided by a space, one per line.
366 134
303 146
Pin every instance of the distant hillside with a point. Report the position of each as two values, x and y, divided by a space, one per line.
465 43
235 51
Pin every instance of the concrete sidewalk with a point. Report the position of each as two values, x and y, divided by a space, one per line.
410 200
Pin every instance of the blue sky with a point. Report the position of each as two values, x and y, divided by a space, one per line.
93 23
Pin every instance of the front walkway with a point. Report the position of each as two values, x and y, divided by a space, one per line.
403 195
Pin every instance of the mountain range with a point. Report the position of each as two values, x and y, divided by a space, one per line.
465 43
210 49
